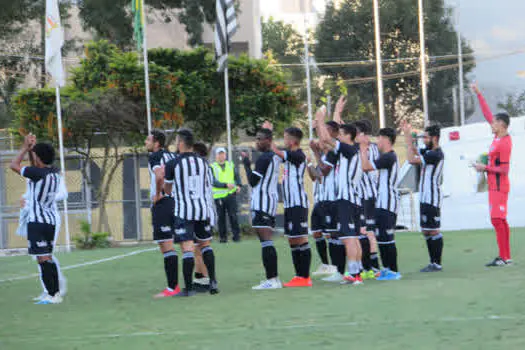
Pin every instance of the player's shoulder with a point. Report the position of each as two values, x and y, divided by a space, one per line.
392 156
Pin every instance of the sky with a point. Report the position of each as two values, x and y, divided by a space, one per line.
491 27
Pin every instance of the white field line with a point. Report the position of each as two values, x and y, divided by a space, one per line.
94 262
287 327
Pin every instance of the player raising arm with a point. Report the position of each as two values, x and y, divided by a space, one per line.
498 178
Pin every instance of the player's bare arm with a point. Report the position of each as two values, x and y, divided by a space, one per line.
412 155
16 163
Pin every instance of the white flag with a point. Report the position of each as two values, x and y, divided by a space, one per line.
54 42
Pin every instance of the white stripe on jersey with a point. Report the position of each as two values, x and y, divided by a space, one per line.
41 199
348 174
327 189
164 157
265 195
368 183
294 194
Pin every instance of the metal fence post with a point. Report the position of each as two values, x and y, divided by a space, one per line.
138 197
3 226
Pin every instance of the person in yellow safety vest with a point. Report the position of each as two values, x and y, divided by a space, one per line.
225 188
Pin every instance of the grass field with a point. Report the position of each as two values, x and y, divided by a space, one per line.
109 305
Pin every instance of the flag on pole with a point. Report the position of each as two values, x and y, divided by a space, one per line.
225 28
138 22
54 43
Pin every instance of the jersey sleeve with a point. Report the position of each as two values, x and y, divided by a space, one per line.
487 113
155 160
385 161
295 157
169 171
346 150
262 164
429 157
330 159
33 173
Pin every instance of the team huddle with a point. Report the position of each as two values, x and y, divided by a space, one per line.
353 219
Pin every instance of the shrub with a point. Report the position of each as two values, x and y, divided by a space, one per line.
90 240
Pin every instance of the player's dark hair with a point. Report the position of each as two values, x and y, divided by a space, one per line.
433 131
390 133
333 125
504 117
368 126
266 133
186 136
349 129
160 137
363 127
294 132
201 149
45 152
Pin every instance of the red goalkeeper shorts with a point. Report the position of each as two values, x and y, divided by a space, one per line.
498 204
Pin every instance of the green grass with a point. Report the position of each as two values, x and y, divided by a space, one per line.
109 305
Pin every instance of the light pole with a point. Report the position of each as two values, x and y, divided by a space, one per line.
460 65
422 61
379 66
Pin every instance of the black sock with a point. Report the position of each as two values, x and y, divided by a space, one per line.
296 258
392 256
209 260
199 275
50 276
331 250
374 261
306 260
365 247
269 257
171 267
383 252
340 256
188 263
429 248
320 243
437 247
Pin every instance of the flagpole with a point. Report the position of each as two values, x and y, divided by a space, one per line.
62 163
308 80
228 117
146 68
379 66
422 61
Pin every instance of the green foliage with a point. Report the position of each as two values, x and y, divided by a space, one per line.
282 40
346 33
514 104
90 240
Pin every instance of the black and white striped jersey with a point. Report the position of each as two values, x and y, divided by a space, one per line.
294 192
368 184
387 193
189 175
264 194
209 194
347 172
328 187
44 186
156 160
432 162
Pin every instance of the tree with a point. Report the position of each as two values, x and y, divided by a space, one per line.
346 34
514 104
282 40
112 20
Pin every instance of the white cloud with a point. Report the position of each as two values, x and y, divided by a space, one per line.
508 33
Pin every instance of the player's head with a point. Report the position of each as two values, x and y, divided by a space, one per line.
43 154
263 139
292 137
155 141
386 139
501 123
431 137
201 149
363 131
220 155
185 140
347 133
333 128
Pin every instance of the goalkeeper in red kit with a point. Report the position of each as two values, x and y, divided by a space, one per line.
497 171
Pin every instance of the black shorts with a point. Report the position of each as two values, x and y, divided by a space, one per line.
190 230
40 238
296 222
317 220
385 225
262 220
430 217
163 219
346 219
331 218
369 207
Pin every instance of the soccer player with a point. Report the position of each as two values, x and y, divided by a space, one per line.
348 174
431 159
44 187
162 210
498 178
321 219
367 191
387 201
295 205
187 178
264 181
